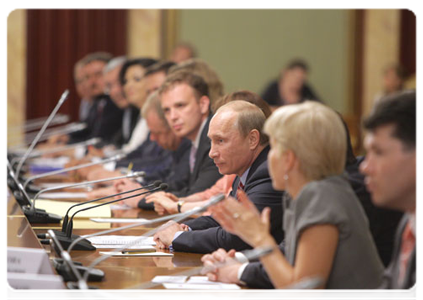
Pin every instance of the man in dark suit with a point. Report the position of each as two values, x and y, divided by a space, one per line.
390 170
186 106
238 147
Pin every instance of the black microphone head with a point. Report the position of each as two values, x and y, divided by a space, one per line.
164 186
157 183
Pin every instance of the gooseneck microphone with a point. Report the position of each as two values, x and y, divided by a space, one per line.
47 122
66 237
38 153
113 158
84 183
33 215
176 218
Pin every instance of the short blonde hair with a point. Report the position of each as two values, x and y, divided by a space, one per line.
316 135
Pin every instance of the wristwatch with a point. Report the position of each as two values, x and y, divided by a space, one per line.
179 205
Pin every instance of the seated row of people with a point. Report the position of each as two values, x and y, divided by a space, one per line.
315 210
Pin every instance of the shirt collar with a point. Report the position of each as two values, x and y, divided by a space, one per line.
196 142
414 219
243 178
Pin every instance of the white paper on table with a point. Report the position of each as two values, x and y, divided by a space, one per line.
169 279
136 247
146 254
118 220
61 207
64 195
187 286
120 207
200 280
121 240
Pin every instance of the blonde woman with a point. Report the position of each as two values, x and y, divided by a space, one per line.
326 231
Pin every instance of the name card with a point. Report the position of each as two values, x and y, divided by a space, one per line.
34 287
28 260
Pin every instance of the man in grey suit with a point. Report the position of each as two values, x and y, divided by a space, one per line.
239 147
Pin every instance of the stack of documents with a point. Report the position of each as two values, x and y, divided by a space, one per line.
194 283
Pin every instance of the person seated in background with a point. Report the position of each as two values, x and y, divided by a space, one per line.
104 117
185 105
393 79
81 90
237 147
130 77
392 171
169 203
182 52
291 87
326 231
171 166
201 68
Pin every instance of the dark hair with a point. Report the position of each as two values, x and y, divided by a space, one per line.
297 63
162 66
400 111
351 159
196 82
246 96
143 62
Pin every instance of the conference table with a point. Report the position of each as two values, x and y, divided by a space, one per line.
120 272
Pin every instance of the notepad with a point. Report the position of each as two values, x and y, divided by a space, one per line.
169 279
188 286
60 208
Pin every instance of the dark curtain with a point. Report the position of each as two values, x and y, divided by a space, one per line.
56 40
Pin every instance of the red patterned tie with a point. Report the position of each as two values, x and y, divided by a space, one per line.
240 188
407 245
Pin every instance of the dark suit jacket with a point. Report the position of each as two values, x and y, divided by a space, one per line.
390 277
119 139
205 173
207 235
104 120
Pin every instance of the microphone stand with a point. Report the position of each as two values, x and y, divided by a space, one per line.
34 142
114 158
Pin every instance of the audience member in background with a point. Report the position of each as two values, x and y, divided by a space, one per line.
237 147
201 68
82 90
392 81
182 52
185 105
173 167
130 77
169 203
326 230
390 170
291 87
382 222
155 75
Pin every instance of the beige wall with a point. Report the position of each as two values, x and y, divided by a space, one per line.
16 70
144 33
381 47
249 47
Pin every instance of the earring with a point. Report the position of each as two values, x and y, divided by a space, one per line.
285 177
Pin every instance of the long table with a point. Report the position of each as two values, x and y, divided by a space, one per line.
120 272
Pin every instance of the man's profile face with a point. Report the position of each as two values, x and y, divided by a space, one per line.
229 150
161 133
390 170
94 77
184 112
114 89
